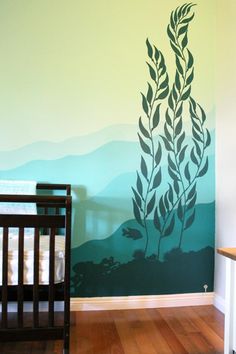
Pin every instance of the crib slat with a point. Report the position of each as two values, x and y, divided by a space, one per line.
4 276
36 279
46 221
51 277
20 295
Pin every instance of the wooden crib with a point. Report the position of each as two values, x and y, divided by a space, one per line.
53 218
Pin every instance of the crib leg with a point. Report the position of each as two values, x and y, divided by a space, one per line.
66 349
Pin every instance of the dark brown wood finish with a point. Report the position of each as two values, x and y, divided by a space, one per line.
58 220
51 278
36 279
4 276
191 330
20 295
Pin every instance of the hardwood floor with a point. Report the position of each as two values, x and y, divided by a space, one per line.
182 330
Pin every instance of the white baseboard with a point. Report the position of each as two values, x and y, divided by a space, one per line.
136 302
132 302
219 303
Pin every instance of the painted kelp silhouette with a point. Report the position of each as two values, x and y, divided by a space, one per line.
186 162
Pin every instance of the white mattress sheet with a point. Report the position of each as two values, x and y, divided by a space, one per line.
29 260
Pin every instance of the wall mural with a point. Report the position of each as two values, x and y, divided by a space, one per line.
160 215
143 189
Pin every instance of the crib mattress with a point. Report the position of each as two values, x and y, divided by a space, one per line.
29 260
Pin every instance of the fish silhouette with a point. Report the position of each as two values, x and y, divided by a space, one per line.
132 233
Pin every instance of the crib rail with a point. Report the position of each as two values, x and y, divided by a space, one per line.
51 223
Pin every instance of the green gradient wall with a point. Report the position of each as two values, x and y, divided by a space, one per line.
71 75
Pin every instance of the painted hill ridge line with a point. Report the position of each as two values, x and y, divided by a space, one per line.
78 145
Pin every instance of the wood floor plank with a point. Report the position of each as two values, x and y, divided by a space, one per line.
167 332
186 330
213 318
125 332
139 334
209 334
154 336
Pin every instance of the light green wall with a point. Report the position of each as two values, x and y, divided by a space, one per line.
71 73
77 66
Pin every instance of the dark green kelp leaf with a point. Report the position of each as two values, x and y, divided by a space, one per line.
179 66
168 119
144 146
143 129
137 213
172 174
170 227
171 194
192 202
176 49
156 117
166 201
193 157
190 59
190 220
172 21
163 94
196 135
144 104
180 212
182 154
162 207
196 125
180 142
170 33
202 113
162 71
149 94
170 102
176 187
166 143
167 133
180 11
156 220
176 15
149 49
188 19
193 103
151 204
157 179
190 77
187 173
184 41
177 81
204 169
178 127
175 93
186 94
137 199
192 112
208 138
144 169
179 110
192 192
182 30
198 149
152 72
162 62
157 54
139 186
171 163
158 154
165 82
184 9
